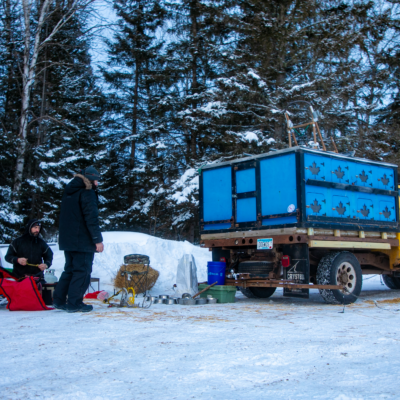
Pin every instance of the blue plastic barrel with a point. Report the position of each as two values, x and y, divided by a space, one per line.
216 272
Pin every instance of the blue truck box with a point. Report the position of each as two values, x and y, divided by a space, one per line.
299 187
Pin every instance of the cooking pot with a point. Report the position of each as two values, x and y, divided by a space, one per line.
169 301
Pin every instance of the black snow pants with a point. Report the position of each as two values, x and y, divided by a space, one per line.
75 279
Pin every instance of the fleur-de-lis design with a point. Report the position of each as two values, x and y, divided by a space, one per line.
363 177
340 209
339 173
314 169
316 207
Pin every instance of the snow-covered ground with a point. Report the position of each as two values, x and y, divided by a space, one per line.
277 348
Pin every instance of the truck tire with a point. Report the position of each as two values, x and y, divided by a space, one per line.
391 282
262 292
247 292
340 268
258 293
257 268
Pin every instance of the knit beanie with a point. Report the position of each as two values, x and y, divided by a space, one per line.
91 173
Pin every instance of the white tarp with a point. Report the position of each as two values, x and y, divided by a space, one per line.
186 276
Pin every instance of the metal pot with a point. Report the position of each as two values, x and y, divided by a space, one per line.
169 301
151 298
163 296
188 302
200 301
186 296
211 300
158 301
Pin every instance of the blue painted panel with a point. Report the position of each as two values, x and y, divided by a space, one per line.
278 184
280 221
217 194
246 210
365 207
336 203
387 210
216 226
362 175
341 206
246 180
317 167
316 201
372 176
385 179
340 171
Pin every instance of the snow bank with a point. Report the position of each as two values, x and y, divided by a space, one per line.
164 256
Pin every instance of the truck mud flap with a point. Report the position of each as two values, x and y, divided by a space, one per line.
298 270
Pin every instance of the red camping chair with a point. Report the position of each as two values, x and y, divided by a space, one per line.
21 295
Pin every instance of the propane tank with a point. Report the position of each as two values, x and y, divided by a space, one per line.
49 276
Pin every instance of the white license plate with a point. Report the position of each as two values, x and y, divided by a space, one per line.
265 244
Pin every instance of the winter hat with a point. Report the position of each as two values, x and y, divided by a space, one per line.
31 223
91 173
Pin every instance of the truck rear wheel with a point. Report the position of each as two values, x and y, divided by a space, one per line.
262 292
391 282
257 268
258 293
340 268
247 292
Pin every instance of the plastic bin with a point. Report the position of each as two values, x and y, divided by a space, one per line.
223 294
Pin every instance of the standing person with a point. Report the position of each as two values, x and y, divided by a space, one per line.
29 254
80 238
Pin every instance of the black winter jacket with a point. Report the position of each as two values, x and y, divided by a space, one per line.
79 219
33 248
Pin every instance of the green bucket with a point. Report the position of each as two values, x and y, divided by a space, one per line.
223 293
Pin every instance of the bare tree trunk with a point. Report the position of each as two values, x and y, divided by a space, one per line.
194 51
9 49
42 126
29 66
28 69
131 190
191 232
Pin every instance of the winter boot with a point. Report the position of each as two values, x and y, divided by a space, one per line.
81 308
60 306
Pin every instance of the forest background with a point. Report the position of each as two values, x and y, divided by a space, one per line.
183 83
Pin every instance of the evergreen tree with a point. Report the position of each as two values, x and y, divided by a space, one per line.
64 131
194 56
136 122
10 106
288 52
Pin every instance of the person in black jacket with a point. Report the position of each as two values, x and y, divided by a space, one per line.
29 254
80 238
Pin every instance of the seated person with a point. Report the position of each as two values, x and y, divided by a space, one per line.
29 254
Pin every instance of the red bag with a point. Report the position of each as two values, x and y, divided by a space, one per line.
21 296
92 295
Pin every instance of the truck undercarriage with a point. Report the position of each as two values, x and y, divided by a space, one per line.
298 261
